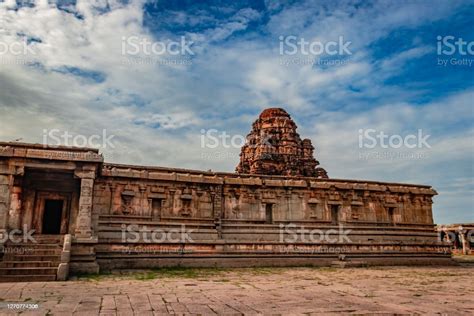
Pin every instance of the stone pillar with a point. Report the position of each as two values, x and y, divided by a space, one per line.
14 214
4 200
464 242
143 210
84 231
468 239
113 193
6 183
446 234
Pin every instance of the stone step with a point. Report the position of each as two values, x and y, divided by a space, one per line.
27 257
26 264
54 239
29 271
28 261
27 278
34 251
35 245
349 264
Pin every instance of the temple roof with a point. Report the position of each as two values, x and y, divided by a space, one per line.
275 148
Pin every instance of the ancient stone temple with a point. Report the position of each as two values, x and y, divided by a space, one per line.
275 148
63 209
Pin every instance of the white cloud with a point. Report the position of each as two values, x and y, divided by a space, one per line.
156 112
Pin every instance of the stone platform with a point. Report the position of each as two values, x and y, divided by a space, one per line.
284 291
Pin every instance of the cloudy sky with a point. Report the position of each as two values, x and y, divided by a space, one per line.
154 77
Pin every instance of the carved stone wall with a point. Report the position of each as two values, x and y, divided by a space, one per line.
185 195
154 199
227 213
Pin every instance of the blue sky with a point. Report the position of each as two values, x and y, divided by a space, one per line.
75 77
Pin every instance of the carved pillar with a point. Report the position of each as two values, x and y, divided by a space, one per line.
468 239
464 242
14 215
446 235
6 184
84 229
111 187
144 211
5 181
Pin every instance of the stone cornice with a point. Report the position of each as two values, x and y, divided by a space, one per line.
38 151
196 176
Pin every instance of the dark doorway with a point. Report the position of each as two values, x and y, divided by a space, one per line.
268 213
156 208
53 210
391 211
334 214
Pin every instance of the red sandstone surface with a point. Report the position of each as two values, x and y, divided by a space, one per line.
275 148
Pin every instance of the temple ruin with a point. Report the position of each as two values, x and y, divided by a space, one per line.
274 147
460 236
278 209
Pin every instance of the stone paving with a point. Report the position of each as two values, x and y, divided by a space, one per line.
400 290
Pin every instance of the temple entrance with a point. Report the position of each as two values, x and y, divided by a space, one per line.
52 216
52 213
50 200
391 215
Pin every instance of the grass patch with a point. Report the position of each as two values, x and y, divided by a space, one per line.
95 277
189 273
263 270
202 274
150 275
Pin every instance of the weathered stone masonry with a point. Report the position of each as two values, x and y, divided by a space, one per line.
233 219
280 208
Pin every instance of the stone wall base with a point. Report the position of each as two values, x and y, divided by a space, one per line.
265 261
83 259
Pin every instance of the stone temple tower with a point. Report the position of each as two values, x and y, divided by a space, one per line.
275 148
